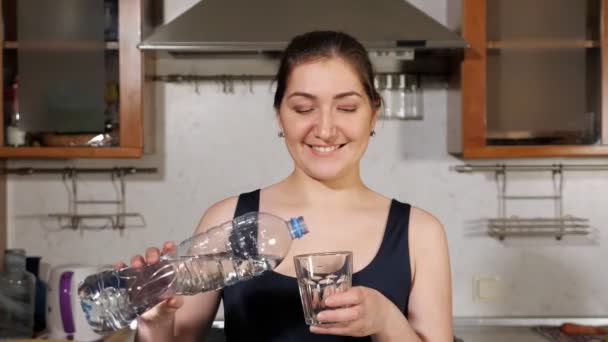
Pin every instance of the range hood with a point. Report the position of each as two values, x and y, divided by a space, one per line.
260 26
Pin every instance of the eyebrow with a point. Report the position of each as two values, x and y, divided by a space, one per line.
311 96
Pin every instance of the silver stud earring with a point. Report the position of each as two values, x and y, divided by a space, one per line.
281 134
372 133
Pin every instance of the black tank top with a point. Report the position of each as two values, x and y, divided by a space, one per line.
267 308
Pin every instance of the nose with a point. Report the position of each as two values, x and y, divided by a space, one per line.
325 129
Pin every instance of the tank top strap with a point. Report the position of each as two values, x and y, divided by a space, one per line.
247 202
392 258
396 232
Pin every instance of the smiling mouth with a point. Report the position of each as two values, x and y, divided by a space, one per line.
326 149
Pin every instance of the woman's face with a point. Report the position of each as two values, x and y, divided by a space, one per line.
326 117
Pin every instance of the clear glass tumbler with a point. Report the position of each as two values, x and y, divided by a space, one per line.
319 276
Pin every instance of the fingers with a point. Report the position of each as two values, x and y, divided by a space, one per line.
352 296
164 311
331 330
345 312
175 302
120 265
137 261
169 247
151 256
345 322
340 315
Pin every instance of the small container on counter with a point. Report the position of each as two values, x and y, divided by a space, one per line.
17 297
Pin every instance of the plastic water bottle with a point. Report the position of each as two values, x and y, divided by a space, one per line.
17 291
223 255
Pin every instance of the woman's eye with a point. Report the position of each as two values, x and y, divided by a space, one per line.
347 109
303 110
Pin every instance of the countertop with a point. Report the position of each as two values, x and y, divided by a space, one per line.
465 333
498 334
124 335
471 329
521 329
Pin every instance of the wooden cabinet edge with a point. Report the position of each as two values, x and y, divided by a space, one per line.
131 73
3 216
604 70
554 151
71 152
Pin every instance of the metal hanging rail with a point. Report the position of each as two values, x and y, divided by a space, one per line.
558 226
179 78
25 171
227 82
74 218
468 168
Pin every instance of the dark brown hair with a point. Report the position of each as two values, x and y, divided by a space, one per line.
326 44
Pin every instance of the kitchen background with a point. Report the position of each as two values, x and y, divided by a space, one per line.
209 145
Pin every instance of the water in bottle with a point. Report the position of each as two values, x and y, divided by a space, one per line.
224 255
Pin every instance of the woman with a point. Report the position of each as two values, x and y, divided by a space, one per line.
327 109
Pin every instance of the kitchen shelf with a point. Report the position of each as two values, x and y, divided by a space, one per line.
63 46
70 152
467 168
539 151
538 137
543 44
530 73
537 226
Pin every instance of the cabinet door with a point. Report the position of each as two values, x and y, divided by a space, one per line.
72 78
533 79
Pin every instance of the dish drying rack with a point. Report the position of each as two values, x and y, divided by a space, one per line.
557 226
74 218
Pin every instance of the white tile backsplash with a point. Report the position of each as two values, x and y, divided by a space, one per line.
210 145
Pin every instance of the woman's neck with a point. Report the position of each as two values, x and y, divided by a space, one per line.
342 190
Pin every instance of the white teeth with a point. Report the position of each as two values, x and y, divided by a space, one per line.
325 148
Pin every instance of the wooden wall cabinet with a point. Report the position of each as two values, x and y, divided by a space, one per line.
120 53
534 81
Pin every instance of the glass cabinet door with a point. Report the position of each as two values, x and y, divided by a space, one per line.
65 64
543 72
56 76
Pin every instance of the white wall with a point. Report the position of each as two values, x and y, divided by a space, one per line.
211 145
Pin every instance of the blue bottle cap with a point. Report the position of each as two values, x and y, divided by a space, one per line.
298 227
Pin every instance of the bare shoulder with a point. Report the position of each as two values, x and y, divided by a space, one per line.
427 238
430 302
218 213
425 222
425 232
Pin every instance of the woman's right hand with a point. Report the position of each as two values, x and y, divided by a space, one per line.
165 310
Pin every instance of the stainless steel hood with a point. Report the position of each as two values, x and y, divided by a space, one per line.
245 26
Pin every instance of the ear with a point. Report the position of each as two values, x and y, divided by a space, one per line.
372 124
279 122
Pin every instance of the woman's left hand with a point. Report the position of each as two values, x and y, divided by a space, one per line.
359 311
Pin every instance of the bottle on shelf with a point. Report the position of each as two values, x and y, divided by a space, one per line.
15 135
